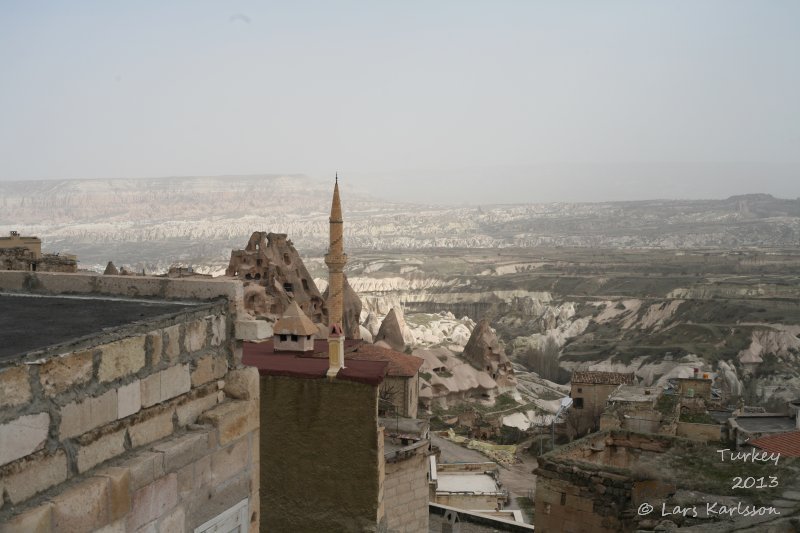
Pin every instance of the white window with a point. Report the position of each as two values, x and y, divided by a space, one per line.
234 520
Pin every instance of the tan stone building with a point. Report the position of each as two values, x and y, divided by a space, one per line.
125 406
25 253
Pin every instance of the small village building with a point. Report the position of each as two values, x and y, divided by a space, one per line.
590 390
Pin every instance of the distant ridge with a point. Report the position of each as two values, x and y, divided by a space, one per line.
198 220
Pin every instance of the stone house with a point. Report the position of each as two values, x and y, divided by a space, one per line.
124 405
25 253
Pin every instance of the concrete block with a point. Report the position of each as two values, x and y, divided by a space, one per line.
151 390
233 419
144 467
219 330
175 380
190 411
119 493
129 399
100 450
209 368
195 335
35 520
186 483
156 346
183 450
61 374
153 501
113 527
35 474
174 522
122 358
229 461
79 417
202 472
151 429
171 337
15 389
253 330
83 507
242 384
23 436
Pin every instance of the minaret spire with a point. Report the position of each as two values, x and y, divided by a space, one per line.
336 259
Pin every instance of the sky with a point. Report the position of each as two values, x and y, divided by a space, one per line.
441 101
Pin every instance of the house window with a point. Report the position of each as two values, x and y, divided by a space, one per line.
578 403
580 389
294 338
234 520
284 337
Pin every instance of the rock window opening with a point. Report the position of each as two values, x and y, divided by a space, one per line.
305 284
288 287
287 259
563 498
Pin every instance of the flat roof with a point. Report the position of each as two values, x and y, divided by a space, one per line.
33 322
634 394
466 482
766 424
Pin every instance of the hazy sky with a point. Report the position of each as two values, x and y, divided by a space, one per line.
462 101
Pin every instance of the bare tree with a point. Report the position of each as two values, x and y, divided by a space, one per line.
544 361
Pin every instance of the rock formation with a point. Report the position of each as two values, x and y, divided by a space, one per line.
111 270
484 352
391 332
274 275
351 313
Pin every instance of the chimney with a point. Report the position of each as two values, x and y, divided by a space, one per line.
335 350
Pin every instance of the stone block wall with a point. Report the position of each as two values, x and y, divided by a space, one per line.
152 426
405 493
701 432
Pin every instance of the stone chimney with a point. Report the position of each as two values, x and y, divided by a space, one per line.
335 350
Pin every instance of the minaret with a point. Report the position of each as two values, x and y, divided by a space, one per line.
336 259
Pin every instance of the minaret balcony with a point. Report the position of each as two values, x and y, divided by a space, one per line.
335 259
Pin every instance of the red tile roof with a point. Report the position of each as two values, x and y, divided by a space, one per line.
602 378
786 444
399 364
369 372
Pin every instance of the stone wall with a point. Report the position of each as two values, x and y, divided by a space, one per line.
403 393
29 260
322 455
152 425
406 489
701 432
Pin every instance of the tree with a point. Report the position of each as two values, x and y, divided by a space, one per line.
544 361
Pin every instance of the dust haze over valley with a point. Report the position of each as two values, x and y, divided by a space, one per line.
652 287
